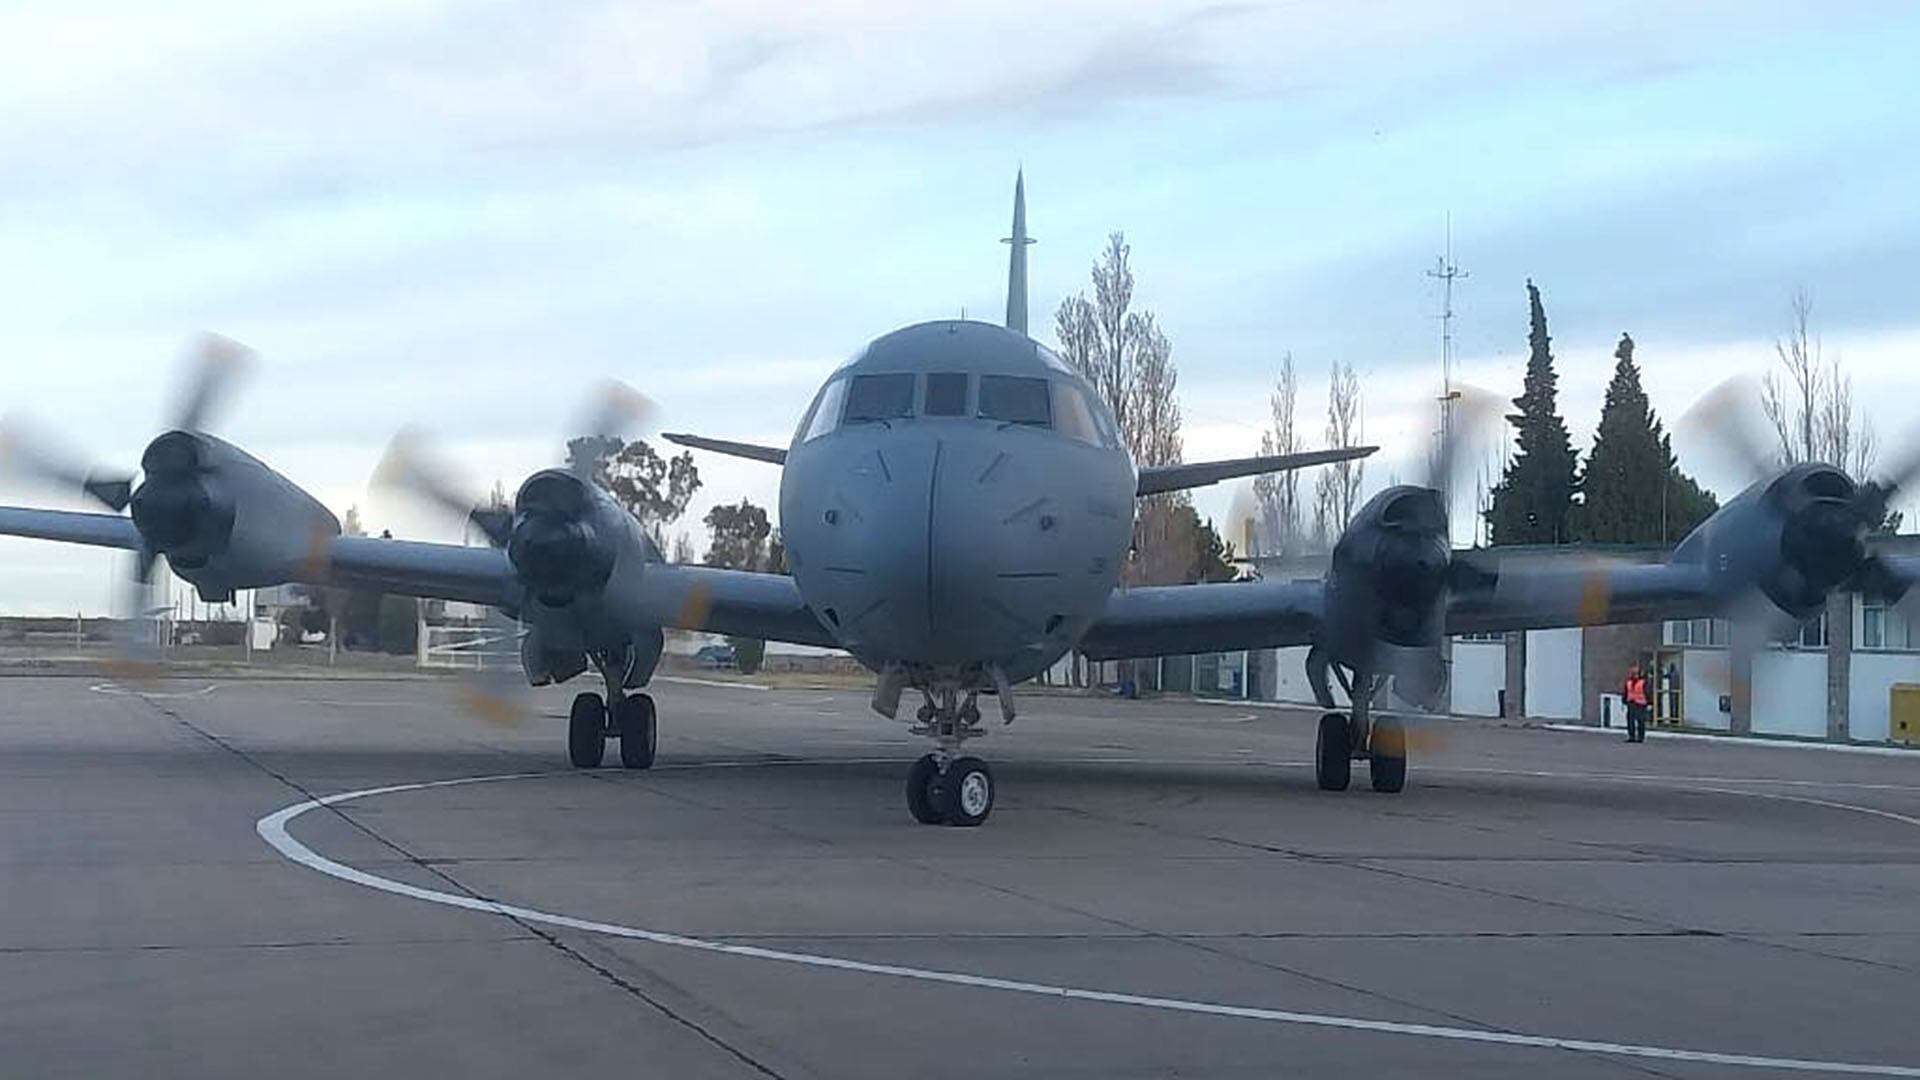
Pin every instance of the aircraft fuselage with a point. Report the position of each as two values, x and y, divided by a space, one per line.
955 501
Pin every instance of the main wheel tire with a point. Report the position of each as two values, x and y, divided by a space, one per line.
639 733
1387 756
969 792
1333 753
587 731
921 801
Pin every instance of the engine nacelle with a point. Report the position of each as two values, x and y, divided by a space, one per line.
576 552
223 519
1387 583
1795 539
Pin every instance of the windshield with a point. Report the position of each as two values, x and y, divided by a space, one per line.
878 397
1015 400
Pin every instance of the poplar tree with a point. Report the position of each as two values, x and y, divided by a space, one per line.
1532 503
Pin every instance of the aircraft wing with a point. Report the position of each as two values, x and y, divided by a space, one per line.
1542 592
1907 567
477 575
735 602
766 606
70 526
772 455
720 601
1552 592
1168 620
1158 478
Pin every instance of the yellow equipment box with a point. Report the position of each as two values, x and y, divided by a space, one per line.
1903 714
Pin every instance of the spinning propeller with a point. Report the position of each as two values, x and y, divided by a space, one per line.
178 507
1823 515
556 535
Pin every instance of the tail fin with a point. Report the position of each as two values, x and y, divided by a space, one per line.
1017 259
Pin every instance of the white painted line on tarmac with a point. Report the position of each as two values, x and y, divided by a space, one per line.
1675 779
115 688
273 829
688 680
1741 740
1828 803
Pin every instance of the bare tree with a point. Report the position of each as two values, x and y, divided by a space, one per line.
1129 361
1155 412
1337 491
1162 531
683 548
1809 401
1278 494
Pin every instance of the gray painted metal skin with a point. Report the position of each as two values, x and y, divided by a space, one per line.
949 546
957 554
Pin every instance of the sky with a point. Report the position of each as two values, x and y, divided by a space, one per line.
462 216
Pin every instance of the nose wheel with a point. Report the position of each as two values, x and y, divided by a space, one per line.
946 787
960 793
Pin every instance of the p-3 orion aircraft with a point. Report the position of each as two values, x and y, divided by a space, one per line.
957 506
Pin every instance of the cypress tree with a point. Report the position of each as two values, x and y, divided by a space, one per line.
1634 493
1535 496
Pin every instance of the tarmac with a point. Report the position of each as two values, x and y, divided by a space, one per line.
1161 891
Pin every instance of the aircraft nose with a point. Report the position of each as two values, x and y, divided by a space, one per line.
992 551
950 549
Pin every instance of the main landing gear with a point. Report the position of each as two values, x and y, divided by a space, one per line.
945 787
591 723
1383 746
1345 737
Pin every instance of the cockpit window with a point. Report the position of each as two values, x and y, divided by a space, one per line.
1072 416
946 393
826 411
1015 400
879 397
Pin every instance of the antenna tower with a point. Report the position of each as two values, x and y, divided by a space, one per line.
1446 273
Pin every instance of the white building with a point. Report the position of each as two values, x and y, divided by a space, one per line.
1817 686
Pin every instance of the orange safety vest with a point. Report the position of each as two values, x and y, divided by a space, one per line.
1636 690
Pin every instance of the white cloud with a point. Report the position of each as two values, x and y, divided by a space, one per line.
462 215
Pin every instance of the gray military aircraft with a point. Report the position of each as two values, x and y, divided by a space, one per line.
956 505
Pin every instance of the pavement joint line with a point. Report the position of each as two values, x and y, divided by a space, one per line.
530 927
273 830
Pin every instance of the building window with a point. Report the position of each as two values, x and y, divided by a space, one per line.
1706 633
1885 627
1495 638
1813 633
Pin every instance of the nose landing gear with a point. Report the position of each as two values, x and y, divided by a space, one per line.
944 787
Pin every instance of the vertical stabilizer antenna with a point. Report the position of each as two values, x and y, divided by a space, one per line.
1017 259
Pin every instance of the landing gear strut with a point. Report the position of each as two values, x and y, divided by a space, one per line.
943 787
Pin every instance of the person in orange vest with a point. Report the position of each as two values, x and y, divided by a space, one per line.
1639 704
